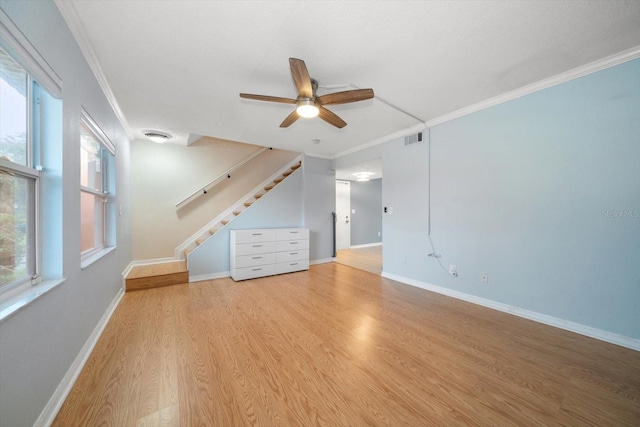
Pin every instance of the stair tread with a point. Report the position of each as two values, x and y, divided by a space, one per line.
200 241
257 196
213 230
225 221
278 180
247 204
236 213
269 187
157 269
287 173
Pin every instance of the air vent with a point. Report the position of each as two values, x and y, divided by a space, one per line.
413 139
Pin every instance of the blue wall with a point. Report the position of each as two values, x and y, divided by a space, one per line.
542 193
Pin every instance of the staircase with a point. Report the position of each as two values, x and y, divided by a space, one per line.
228 216
169 273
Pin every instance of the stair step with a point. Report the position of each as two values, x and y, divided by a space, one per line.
225 221
236 213
278 180
187 252
296 166
157 275
247 204
287 173
257 196
269 187
200 241
213 230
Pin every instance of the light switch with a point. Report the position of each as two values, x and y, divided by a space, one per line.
353 211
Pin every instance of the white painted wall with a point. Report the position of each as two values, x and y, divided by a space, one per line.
164 174
39 343
319 202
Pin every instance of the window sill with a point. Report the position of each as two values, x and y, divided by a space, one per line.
95 256
26 297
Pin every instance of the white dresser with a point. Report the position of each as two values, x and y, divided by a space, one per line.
258 253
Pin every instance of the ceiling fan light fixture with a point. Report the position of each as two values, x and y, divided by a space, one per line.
307 108
157 136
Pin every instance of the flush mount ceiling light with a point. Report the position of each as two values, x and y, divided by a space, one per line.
157 136
363 176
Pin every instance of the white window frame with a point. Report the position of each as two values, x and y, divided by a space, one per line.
107 193
32 170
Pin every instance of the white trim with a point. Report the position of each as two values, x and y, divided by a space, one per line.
50 411
366 245
29 57
575 73
592 67
588 331
211 276
321 261
69 14
132 264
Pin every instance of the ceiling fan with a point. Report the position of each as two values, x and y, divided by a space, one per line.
308 103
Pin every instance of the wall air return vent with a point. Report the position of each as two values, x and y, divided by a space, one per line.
413 139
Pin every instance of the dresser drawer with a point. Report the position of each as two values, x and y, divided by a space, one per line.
292 233
249 236
292 245
255 248
253 272
291 266
255 260
292 256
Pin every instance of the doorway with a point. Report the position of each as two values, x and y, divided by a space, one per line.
343 212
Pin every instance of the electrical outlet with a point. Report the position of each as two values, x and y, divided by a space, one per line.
484 278
378 234
453 270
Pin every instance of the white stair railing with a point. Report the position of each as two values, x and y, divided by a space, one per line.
227 174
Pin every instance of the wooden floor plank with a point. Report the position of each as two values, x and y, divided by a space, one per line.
340 346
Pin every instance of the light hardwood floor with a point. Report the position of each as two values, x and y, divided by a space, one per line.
367 259
338 346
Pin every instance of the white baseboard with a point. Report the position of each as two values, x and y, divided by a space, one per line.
212 276
50 411
148 262
321 261
599 334
366 245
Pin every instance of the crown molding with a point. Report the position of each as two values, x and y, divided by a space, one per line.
70 15
575 73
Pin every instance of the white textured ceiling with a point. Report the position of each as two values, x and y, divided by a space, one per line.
178 66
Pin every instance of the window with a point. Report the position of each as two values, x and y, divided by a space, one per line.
96 162
19 175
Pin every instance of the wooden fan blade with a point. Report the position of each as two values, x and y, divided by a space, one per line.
301 77
331 118
346 96
291 118
268 98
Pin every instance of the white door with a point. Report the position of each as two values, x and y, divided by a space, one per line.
343 212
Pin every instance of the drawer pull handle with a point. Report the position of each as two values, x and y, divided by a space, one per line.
293 232
256 246
294 263
256 234
293 253
293 243
256 269
256 257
